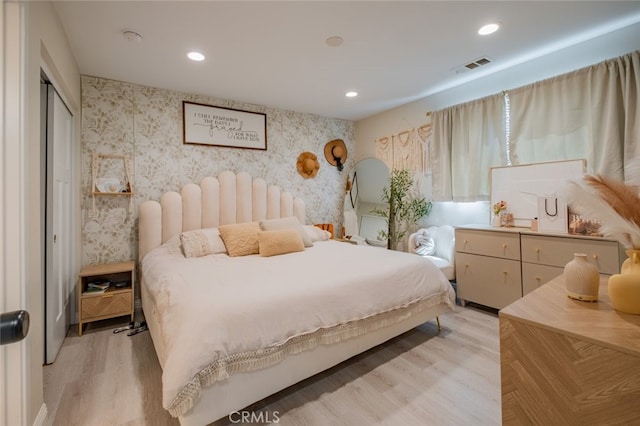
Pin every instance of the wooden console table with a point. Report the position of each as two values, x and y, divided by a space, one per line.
568 362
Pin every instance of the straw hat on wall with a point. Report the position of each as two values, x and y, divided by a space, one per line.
308 165
335 152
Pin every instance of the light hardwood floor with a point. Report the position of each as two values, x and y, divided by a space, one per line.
418 378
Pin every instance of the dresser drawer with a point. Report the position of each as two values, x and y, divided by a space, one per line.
488 243
489 281
535 275
557 251
106 305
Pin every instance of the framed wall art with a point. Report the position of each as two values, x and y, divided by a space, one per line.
218 126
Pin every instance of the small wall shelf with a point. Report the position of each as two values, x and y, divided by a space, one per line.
121 186
96 162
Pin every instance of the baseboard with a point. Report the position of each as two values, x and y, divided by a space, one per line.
42 416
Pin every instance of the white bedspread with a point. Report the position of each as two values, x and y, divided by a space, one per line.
220 315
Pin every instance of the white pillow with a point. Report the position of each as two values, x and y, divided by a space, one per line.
291 222
425 246
316 234
201 242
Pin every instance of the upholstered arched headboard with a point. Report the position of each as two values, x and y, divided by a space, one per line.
229 198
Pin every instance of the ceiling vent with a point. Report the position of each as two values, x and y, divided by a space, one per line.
476 63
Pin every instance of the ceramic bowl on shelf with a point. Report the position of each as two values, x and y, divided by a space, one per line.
110 185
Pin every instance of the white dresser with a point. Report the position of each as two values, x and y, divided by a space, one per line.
497 266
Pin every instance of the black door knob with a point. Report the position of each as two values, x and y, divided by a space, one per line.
14 326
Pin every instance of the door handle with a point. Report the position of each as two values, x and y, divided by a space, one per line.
14 326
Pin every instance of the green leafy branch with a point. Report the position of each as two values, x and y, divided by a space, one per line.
404 207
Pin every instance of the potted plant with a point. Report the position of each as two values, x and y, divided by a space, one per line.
405 207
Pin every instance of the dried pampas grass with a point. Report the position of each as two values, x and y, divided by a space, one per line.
612 202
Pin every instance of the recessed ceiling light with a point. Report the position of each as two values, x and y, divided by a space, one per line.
334 41
351 94
195 56
489 29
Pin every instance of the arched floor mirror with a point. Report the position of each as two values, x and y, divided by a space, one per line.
368 178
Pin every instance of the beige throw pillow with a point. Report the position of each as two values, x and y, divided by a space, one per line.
240 239
201 242
281 241
291 222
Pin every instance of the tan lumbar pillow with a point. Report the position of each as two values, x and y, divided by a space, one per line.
291 222
281 241
240 239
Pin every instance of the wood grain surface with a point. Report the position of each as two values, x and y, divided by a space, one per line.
569 362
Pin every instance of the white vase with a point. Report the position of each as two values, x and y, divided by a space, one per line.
497 220
582 279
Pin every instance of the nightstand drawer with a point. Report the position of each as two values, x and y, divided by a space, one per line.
110 304
554 251
493 243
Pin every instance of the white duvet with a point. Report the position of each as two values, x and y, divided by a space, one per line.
220 315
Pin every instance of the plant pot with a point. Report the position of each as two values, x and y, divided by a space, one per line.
582 279
624 288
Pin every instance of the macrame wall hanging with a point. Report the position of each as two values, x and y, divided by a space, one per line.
408 149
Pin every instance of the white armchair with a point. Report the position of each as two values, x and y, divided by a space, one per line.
436 243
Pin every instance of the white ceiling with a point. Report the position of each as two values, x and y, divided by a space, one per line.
274 53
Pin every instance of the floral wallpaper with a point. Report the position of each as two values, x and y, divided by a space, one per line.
145 123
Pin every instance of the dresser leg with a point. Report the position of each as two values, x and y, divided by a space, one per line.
463 302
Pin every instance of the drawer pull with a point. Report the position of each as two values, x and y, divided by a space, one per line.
595 257
504 246
537 250
538 279
106 296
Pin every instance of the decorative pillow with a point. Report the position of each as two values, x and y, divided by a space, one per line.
280 241
425 246
291 222
316 234
240 239
201 242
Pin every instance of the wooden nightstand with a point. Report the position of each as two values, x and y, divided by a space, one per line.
116 301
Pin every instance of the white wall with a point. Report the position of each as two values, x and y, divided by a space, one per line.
413 114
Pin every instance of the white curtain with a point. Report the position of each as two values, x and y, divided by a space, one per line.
468 140
592 113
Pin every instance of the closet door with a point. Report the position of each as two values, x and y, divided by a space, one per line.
59 279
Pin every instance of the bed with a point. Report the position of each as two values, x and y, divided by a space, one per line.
232 330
